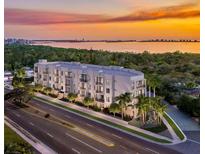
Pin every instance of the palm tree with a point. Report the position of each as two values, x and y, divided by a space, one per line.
141 105
114 108
87 101
21 73
71 97
122 100
149 83
154 84
158 108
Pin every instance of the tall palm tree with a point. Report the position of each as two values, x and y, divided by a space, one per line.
154 84
149 83
143 106
122 100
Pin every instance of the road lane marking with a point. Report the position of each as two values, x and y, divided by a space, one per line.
193 141
31 123
78 152
123 147
50 135
148 149
17 115
90 146
67 116
117 136
90 125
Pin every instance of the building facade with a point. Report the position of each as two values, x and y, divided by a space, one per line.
103 83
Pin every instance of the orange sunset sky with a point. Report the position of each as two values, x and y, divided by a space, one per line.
102 19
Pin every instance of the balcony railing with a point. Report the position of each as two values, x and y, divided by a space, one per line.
99 83
99 99
83 80
99 91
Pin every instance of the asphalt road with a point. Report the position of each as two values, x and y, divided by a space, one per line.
63 140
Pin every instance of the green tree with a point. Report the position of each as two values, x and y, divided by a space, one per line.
114 108
87 101
47 90
72 97
38 87
122 100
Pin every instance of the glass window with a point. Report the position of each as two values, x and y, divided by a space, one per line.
107 90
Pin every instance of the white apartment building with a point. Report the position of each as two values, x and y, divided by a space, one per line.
103 83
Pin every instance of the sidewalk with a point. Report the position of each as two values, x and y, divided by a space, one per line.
105 117
183 121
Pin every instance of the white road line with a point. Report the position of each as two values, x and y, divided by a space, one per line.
31 123
50 135
67 116
89 125
117 136
123 147
17 115
148 149
78 152
84 143
51 109
193 141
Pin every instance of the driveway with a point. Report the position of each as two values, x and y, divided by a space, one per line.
185 122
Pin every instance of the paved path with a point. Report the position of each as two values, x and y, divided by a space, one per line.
183 121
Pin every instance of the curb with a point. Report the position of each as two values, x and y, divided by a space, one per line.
132 134
185 138
34 142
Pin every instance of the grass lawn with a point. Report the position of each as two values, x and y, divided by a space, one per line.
175 128
13 143
157 129
108 122
11 136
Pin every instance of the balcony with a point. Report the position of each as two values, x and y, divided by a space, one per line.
99 83
140 86
99 91
100 99
83 80
83 88
68 76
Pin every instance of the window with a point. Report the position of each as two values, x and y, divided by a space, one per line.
99 89
107 90
61 87
99 80
61 72
36 69
50 78
107 82
108 99
83 78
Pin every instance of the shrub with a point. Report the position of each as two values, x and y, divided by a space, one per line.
53 95
95 108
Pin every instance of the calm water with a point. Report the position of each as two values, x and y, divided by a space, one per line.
136 47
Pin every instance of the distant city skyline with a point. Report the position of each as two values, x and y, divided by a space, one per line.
108 19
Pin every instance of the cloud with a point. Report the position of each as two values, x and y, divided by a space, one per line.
181 11
34 17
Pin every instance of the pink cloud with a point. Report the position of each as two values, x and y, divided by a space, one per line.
33 17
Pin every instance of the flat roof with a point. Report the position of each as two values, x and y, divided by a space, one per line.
97 68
